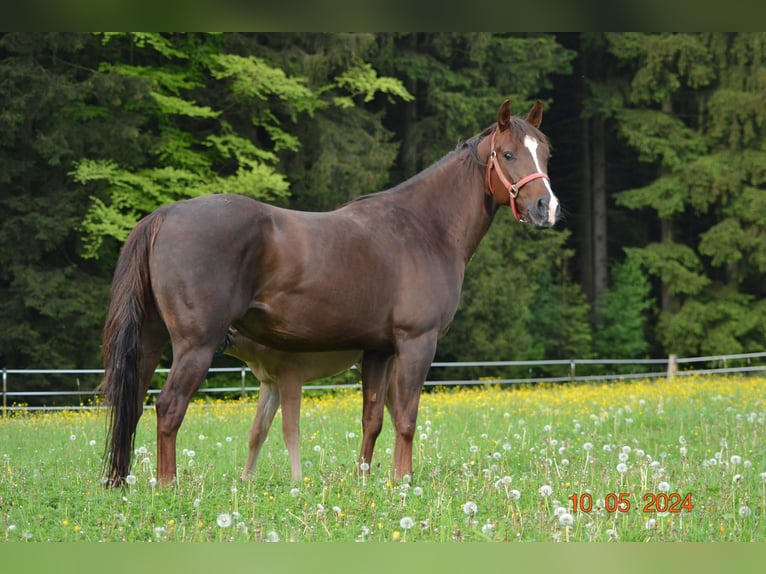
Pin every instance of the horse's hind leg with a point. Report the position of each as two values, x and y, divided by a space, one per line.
190 366
268 403
290 387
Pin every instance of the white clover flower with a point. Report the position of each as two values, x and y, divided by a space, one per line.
223 520
406 523
545 490
470 508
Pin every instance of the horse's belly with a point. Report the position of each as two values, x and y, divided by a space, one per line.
308 325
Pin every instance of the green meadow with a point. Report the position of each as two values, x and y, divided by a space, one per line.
650 460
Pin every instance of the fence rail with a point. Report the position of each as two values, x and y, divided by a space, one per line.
670 367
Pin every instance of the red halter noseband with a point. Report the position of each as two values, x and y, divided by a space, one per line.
513 188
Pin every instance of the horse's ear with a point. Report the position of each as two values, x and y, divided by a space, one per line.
504 115
535 116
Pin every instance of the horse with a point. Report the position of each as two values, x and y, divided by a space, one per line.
282 375
382 274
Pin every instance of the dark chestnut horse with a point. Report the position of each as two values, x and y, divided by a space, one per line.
382 275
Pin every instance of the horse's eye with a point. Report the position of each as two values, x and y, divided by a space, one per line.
509 155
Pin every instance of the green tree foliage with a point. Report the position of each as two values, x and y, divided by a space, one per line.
695 111
622 314
54 109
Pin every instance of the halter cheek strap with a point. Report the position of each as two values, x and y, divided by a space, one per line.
513 188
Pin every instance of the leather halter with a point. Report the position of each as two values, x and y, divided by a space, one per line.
513 188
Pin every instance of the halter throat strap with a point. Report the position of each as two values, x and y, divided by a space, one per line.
512 188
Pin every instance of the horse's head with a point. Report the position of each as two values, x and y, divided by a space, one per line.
517 167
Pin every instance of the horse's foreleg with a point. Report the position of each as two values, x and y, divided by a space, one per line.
268 403
290 392
375 380
412 362
186 374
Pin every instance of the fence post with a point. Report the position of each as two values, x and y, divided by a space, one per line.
244 372
572 369
5 392
672 365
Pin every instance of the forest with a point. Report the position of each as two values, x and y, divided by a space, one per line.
659 161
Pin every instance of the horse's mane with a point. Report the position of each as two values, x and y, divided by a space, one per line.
518 125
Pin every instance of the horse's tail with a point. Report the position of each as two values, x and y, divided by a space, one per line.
131 296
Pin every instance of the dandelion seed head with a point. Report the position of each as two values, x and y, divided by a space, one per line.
545 490
406 523
663 487
152 482
92 443
588 446
744 511
566 519
735 459
651 524
417 491
470 508
271 536
317 448
622 468
130 479
223 520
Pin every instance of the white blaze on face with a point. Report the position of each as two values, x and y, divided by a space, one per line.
553 203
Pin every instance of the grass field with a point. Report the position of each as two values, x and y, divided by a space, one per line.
680 460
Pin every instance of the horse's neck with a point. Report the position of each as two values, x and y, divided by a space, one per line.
453 200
